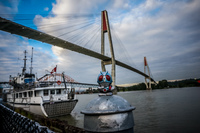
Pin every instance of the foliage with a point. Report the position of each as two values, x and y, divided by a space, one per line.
90 91
184 83
163 84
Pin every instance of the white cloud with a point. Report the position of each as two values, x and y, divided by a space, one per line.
74 6
12 57
166 32
147 29
46 9
11 6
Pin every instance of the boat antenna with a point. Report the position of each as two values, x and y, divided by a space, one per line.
31 68
24 68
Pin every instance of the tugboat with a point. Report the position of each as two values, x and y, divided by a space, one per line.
46 98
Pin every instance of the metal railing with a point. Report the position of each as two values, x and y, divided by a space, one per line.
12 122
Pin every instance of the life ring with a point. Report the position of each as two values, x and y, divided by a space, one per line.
58 82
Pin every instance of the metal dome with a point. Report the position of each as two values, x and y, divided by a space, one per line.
107 105
108 114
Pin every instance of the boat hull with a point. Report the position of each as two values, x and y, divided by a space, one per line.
48 109
59 108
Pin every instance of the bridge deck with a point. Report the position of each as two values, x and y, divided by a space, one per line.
15 28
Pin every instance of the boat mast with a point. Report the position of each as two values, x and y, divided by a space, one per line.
24 68
64 80
31 68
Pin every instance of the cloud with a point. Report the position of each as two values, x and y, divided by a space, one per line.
46 9
75 6
159 30
73 63
11 52
9 6
166 32
13 46
79 67
167 36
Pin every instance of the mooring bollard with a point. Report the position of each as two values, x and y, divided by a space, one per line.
107 112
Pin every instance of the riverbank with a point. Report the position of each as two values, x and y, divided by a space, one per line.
163 84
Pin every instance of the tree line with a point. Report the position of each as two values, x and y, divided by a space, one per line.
163 84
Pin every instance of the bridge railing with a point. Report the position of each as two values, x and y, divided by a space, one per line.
12 122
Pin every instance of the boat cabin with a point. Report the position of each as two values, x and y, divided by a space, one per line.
37 94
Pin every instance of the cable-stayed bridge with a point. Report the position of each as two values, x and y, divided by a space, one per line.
19 29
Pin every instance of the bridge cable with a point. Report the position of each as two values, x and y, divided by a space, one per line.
122 47
74 30
92 36
84 34
74 25
95 40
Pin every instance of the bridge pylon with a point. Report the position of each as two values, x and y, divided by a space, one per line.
146 67
105 28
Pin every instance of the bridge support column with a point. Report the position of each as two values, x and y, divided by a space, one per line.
146 66
106 28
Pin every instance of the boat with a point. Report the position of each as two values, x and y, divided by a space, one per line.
46 98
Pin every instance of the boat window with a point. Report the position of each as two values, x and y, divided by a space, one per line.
20 94
30 94
25 94
58 91
52 91
45 92
37 93
16 95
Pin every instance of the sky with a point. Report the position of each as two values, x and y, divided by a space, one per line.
166 32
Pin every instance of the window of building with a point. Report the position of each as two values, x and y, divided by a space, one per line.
20 94
16 95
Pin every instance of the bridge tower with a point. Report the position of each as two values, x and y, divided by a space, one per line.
146 67
105 28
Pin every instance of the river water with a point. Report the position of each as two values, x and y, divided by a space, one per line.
175 110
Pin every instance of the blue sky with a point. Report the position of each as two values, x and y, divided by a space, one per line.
166 32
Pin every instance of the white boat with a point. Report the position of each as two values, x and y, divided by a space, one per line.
48 98
46 101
